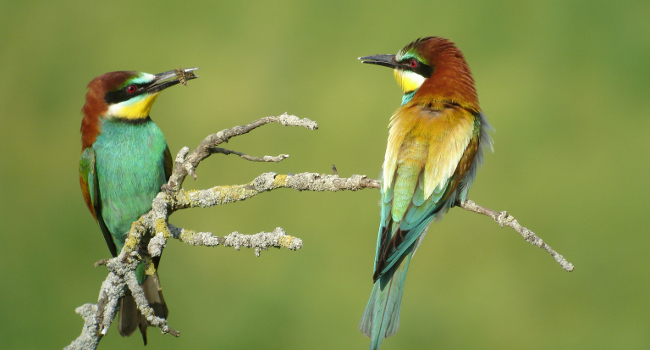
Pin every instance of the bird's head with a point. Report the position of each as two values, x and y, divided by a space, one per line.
125 95
431 64
129 95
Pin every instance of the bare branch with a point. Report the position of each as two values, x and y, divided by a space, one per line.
504 219
276 159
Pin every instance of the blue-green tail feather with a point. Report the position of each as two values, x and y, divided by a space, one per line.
381 318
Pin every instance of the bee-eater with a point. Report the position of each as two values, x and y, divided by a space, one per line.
433 152
124 161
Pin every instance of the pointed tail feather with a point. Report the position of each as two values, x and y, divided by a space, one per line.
381 318
128 318
131 318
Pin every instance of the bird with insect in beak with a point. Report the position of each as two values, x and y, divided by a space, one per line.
124 162
433 153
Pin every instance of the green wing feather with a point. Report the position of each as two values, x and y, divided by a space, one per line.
90 190
396 239
167 163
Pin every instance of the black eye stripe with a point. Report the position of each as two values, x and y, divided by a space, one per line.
420 68
122 94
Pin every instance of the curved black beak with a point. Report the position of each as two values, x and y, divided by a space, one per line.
161 81
380 60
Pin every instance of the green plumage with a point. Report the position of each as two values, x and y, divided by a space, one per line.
130 170
124 169
124 162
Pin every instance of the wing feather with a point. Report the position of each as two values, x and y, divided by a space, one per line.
167 163
90 190
425 148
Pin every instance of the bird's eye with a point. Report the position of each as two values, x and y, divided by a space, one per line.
413 63
130 89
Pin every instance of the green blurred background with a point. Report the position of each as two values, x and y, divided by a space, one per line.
565 84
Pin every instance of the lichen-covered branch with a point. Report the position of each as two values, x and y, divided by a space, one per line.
89 338
149 234
260 241
191 161
267 182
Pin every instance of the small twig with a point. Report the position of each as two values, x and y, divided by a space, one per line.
189 169
505 219
204 150
262 240
276 159
101 262
180 157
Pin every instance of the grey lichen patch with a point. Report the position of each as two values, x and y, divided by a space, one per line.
262 241
157 244
354 182
193 198
303 181
264 182
291 120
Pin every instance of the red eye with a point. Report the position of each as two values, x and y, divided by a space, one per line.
413 63
130 89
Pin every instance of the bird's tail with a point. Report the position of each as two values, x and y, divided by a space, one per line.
131 318
381 318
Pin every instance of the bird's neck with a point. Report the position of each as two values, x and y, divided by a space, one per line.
140 136
407 97
450 83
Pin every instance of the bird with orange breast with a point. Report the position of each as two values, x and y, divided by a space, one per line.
433 153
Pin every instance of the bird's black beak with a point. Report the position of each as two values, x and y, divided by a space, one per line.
162 81
380 60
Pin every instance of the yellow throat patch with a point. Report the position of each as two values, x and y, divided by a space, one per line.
135 108
407 80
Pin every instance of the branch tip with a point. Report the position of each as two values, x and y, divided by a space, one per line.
504 219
